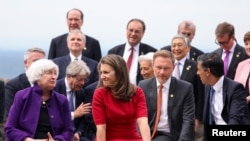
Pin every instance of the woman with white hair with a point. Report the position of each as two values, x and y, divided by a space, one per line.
39 112
146 65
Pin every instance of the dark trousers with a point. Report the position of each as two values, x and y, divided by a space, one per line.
162 136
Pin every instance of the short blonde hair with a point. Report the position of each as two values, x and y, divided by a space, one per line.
38 68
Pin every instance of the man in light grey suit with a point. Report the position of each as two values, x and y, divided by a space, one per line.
177 115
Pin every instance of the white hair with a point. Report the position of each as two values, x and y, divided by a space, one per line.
38 68
146 57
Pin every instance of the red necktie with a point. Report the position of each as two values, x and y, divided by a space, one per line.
158 112
130 58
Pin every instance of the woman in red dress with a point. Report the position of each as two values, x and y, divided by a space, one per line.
118 106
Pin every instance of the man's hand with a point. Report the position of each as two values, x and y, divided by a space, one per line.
82 109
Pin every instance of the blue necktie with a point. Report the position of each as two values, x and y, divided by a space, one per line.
211 117
71 101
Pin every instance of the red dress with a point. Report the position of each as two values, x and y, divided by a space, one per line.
120 117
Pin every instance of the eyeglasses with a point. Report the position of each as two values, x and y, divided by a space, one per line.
222 43
186 34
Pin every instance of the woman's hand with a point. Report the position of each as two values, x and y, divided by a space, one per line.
50 138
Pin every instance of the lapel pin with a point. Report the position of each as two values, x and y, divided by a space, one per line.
171 95
238 55
188 67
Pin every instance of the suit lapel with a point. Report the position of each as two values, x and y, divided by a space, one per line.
185 70
153 94
171 97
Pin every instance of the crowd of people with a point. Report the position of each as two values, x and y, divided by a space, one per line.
134 93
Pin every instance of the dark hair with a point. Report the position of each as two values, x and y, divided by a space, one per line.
122 89
224 28
247 37
213 62
81 13
138 20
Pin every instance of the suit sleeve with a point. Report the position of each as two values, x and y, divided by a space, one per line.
187 131
52 50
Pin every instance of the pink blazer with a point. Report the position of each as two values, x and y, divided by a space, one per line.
242 72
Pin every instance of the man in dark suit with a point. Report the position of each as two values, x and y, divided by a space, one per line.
58 45
135 31
76 43
177 111
187 70
187 28
225 99
77 73
225 38
21 81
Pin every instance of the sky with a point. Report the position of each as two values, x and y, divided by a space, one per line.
29 23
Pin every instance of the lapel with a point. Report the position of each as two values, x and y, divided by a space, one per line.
192 54
225 92
141 52
186 70
120 51
171 97
153 94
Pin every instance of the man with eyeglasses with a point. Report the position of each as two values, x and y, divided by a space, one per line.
77 73
187 28
230 51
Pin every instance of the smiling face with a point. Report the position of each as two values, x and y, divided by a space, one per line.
76 43
135 32
107 75
74 20
179 48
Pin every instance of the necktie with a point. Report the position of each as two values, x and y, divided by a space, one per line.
177 70
71 101
130 58
158 112
226 62
211 117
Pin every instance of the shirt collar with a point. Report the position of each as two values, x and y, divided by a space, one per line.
165 85
128 46
67 86
219 84
72 57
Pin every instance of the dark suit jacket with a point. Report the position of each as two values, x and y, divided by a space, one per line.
238 56
193 53
1 101
85 124
12 86
234 100
59 47
189 74
64 61
181 107
143 49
